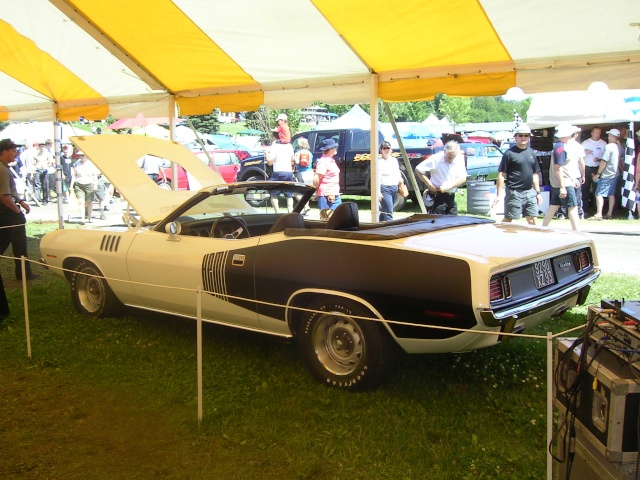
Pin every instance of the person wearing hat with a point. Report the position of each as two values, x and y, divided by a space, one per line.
284 133
561 177
327 178
447 172
12 220
519 172
84 182
593 148
390 179
576 153
608 174
280 157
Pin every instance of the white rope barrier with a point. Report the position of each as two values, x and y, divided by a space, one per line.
549 337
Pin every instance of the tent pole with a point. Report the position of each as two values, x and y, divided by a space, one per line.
409 170
373 149
57 147
172 133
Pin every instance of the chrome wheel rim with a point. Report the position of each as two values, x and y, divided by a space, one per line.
338 343
90 290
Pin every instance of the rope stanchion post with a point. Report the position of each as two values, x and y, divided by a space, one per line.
25 299
549 404
199 351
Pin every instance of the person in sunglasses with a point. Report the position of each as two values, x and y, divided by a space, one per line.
390 178
519 174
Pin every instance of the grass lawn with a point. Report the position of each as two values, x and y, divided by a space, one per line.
116 398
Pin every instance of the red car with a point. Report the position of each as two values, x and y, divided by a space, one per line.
226 162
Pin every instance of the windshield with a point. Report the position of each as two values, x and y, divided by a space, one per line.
244 199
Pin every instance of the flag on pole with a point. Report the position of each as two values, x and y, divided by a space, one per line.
628 176
517 119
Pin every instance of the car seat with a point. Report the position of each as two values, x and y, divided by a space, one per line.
288 220
345 217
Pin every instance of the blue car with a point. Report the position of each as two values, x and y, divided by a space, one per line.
482 160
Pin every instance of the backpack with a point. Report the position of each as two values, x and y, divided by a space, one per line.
304 159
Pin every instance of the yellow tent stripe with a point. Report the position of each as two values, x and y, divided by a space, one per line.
166 43
388 42
235 102
25 62
460 85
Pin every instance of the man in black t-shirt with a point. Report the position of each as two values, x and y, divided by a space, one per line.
518 172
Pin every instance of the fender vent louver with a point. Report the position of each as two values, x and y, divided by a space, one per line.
213 274
110 243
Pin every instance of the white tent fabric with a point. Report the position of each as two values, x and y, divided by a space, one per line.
28 133
589 107
439 126
354 118
72 58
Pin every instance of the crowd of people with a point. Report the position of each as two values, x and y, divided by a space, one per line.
34 170
583 176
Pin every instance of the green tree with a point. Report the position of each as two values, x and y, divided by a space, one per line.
206 123
456 108
264 119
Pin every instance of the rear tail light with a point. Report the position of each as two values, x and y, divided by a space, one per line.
499 288
583 261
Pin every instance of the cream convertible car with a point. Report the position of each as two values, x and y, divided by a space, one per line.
348 292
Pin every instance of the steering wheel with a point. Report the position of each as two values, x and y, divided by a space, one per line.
223 228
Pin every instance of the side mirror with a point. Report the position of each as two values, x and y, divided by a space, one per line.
173 229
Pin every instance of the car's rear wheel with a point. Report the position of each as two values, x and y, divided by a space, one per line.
91 294
342 350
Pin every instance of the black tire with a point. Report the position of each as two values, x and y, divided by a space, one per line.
91 294
165 185
342 351
399 203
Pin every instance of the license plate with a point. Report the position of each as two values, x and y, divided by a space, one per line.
543 274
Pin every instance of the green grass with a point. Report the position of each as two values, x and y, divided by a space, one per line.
116 398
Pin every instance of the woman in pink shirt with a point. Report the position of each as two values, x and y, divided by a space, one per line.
327 177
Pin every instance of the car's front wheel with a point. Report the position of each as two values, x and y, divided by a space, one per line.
91 294
343 350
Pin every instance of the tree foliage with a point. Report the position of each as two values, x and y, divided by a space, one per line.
264 119
206 123
458 109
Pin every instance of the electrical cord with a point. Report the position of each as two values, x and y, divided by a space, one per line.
568 388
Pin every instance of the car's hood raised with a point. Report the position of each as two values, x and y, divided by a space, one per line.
117 155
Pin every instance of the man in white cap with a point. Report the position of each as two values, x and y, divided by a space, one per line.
593 149
518 172
576 155
284 134
563 182
607 174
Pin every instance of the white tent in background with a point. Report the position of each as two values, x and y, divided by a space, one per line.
586 107
354 118
24 133
438 126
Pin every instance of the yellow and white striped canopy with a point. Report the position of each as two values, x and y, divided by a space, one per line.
91 58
